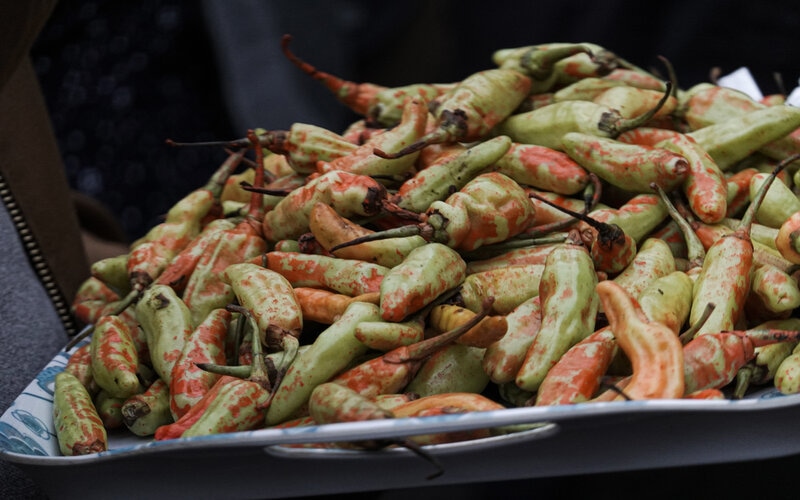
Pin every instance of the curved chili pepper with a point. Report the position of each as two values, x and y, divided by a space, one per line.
363 161
779 204
333 350
113 271
392 371
144 413
488 209
569 309
653 260
548 125
206 344
375 102
503 359
470 110
348 194
726 274
449 173
628 166
655 352
543 168
787 241
577 375
331 229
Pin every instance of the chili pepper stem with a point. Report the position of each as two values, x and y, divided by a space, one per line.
631 123
258 371
87 330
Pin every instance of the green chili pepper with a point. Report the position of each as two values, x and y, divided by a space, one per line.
470 110
114 358
146 412
569 307
77 425
167 323
441 179
426 273
548 125
332 351
453 368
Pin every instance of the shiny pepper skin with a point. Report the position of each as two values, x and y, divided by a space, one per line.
78 427
237 407
569 306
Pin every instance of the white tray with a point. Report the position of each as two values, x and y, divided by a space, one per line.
574 439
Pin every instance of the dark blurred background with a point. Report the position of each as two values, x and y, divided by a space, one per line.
120 77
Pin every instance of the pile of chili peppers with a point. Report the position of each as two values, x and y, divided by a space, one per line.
561 228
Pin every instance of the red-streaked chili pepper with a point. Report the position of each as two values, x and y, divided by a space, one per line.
331 352
787 241
577 374
176 429
393 370
449 174
268 296
510 286
726 274
773 292
330 229
144 413
655 352
707 104
426 273
543 168
177 273
377 103
92 297
363 161
114 358
547 126
634 78
324 306
77 425
349 276
471 109
167 323
637 217
80 365
714 361
503 359
631 167
206 344
240 404
534 253
488 209
348 194
704 187
569 309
